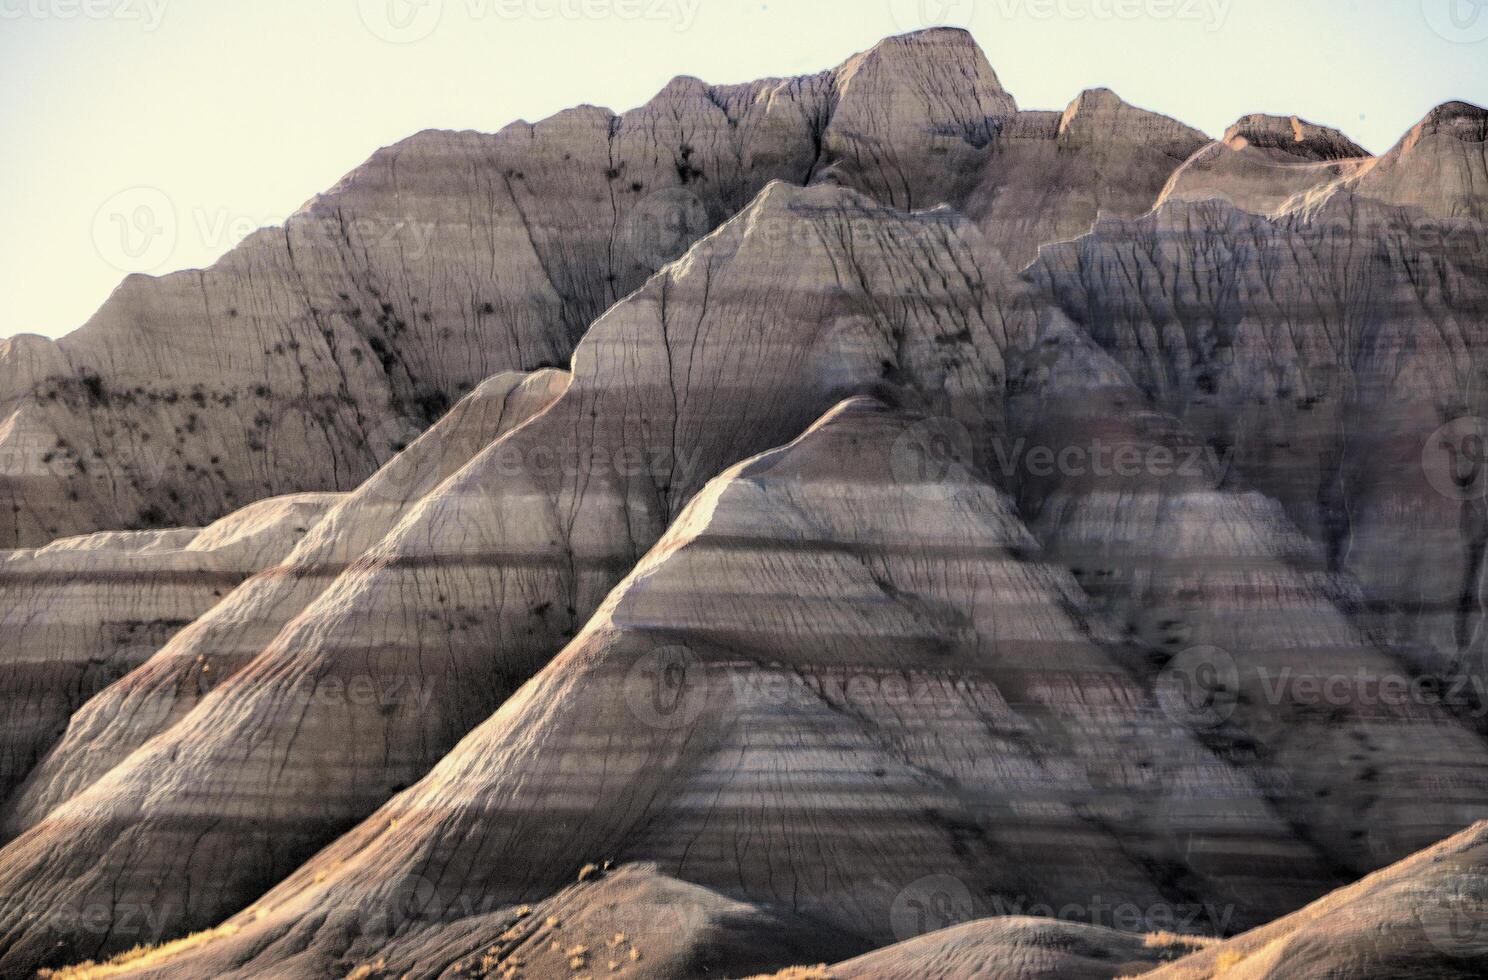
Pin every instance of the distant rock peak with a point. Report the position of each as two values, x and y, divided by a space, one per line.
1459 120
1292 135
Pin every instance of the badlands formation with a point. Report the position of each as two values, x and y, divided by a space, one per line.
841 520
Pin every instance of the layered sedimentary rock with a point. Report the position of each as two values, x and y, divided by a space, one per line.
1423 917
829 664
737 348
1438 169
1066 626
511 555
1334 358
82 612
311 353
1048 176
171 681
1265 163
1008 948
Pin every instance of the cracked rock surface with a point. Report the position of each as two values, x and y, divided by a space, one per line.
947 716
311 353
850 585
80 613
176 675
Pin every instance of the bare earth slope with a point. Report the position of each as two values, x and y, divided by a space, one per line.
888 588
1424 917
489 576
451 257
827 690
1335 355
1263 163
202 656
82 612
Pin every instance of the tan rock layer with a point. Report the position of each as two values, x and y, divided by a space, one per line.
170 682
82 612
977 743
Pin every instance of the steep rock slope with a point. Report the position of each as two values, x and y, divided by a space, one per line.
831 689
668 387
306 356
807 296
631 921
1007 948
82 612
1439 168
1048 176
1423 917
451 257
1336 357
217 644
1265 162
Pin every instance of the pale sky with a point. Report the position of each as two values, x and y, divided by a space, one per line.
237 111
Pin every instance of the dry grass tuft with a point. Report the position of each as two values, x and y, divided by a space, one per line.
1177 942
137 958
